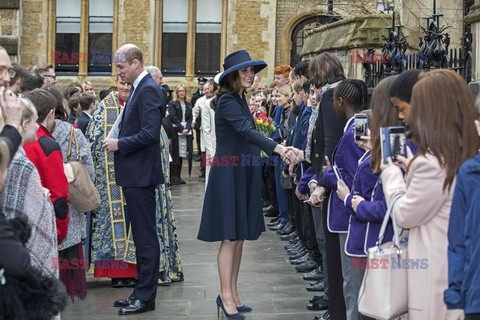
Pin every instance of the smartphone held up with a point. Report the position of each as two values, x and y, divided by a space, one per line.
360 125
393 142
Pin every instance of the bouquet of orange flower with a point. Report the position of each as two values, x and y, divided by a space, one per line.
265 126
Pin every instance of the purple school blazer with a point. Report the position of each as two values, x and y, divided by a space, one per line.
365 224
307 176
345 157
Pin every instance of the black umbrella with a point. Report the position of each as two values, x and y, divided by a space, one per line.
190 153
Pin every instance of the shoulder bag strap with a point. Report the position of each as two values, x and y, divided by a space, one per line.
77 147
385 222
69 150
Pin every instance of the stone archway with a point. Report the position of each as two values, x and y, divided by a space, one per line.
317 15
298 34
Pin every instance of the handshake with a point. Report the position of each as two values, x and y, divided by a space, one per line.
290 155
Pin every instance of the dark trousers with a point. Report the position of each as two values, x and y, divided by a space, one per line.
175 151
473 316
291 213
334 268
310 238
320 235
141 209
282 198
265 192
299 223
272 187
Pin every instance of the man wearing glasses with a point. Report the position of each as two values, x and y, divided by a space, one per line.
6 71
47 73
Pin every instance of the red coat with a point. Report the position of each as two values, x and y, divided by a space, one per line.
46 155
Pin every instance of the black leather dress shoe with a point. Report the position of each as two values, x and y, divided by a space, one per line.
268 209
296 254
271 214
290 237
299 255
118 283
315 298
319 286
301 260
130 282
287 237
278 226
318 305
316 274
325 316
297 250
308 266
124 302
293 245
137 306
288 229
275 222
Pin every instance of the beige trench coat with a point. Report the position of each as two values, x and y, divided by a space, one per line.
425 210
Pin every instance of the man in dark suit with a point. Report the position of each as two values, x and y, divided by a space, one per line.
138 169
198 121
87 104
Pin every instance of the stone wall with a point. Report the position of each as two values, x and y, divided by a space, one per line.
9 22
345 38
263 27
291 13
33 32
138 26
9 26
251 26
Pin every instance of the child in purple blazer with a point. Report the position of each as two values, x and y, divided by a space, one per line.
349 98
366 197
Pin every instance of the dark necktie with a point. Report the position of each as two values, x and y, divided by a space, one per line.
125 107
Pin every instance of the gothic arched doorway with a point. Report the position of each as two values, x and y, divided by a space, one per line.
298 35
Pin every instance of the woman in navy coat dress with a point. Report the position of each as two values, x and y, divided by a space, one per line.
232 210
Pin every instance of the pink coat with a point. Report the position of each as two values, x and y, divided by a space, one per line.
425 210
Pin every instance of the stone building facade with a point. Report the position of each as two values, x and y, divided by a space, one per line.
272 30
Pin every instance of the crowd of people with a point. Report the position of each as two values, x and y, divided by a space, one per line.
326 190
329 192
64 241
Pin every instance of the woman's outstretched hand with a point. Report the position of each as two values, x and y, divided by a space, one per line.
294 155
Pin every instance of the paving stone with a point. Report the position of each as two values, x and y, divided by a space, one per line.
267 282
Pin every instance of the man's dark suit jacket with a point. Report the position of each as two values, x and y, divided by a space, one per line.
83 122
175 113
138 159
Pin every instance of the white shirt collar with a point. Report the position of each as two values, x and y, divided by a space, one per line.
139 78
88 114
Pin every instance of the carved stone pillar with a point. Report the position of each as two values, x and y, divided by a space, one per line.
473 18
192 24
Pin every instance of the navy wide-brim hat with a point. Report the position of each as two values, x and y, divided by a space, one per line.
238 60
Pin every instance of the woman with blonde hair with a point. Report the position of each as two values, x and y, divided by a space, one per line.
180 112
440 117
87 87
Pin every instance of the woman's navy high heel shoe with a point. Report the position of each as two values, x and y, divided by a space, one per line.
237 315
244 308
